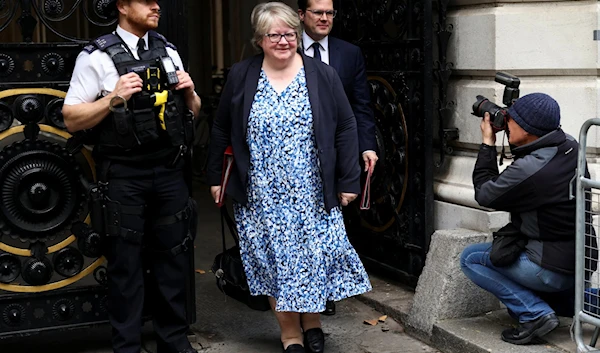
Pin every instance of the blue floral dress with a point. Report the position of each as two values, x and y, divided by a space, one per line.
291 247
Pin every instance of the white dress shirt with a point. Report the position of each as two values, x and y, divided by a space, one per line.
95 74
309 51
307 42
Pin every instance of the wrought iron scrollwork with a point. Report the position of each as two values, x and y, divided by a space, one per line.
97 16
52 12
8 10
392 37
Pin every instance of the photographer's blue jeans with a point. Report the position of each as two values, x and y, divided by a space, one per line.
514 285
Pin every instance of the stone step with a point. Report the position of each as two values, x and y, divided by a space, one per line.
482 335
479 334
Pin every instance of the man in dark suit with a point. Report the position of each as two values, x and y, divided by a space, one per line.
348 61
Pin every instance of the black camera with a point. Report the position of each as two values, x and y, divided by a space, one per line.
497 113
159 76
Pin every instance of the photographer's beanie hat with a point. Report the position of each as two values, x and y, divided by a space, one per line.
536 113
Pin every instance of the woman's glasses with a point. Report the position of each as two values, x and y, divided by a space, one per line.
276 37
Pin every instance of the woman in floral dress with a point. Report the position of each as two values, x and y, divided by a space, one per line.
295 143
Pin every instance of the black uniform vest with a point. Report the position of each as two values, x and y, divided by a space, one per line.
136 133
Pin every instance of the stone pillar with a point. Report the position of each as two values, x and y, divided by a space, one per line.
443 291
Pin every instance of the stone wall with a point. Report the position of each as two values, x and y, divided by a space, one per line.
549 45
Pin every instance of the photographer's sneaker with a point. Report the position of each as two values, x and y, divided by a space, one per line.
527 331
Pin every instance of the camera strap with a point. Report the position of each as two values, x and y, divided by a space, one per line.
503 152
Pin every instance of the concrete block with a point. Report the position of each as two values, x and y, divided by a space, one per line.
452 216
443 291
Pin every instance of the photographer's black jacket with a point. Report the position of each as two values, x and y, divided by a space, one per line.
535 190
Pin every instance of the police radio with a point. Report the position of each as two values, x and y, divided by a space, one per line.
169 68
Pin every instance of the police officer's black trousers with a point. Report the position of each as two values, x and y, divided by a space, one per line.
164 193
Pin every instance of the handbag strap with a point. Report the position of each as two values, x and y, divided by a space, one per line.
226 218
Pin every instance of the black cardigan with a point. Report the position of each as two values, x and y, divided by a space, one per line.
333 121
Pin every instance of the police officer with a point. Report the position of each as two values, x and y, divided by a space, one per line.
131 96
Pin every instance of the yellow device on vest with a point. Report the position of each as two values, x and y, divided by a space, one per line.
160 99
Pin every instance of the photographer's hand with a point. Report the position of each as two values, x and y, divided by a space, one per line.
187 85
487 133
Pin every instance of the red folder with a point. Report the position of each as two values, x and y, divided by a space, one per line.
227 165
365 200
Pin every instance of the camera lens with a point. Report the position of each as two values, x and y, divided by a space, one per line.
497 114
483 105
477 106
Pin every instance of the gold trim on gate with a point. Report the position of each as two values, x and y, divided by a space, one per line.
46 91
52 249
51 129
52 286
63 244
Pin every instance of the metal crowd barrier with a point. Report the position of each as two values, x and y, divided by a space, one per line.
587 279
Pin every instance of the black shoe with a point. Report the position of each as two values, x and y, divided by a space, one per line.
329 308
294 348
529 330
314 340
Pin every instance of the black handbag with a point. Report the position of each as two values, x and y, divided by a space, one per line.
229 270
507 246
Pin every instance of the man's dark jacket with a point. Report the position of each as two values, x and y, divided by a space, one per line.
333 122
535 190
348 61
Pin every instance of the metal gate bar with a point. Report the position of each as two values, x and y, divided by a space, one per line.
587 280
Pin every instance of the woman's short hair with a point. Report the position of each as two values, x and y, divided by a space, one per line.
265 14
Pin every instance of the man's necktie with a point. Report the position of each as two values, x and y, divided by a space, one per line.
316 47
141 48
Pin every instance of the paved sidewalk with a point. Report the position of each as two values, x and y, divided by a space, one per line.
226 326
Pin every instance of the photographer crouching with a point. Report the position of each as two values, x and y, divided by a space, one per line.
532 257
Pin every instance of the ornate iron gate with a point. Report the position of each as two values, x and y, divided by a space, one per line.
52 274
396 37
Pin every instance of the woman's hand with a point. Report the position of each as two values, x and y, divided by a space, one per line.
346 198
215 191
